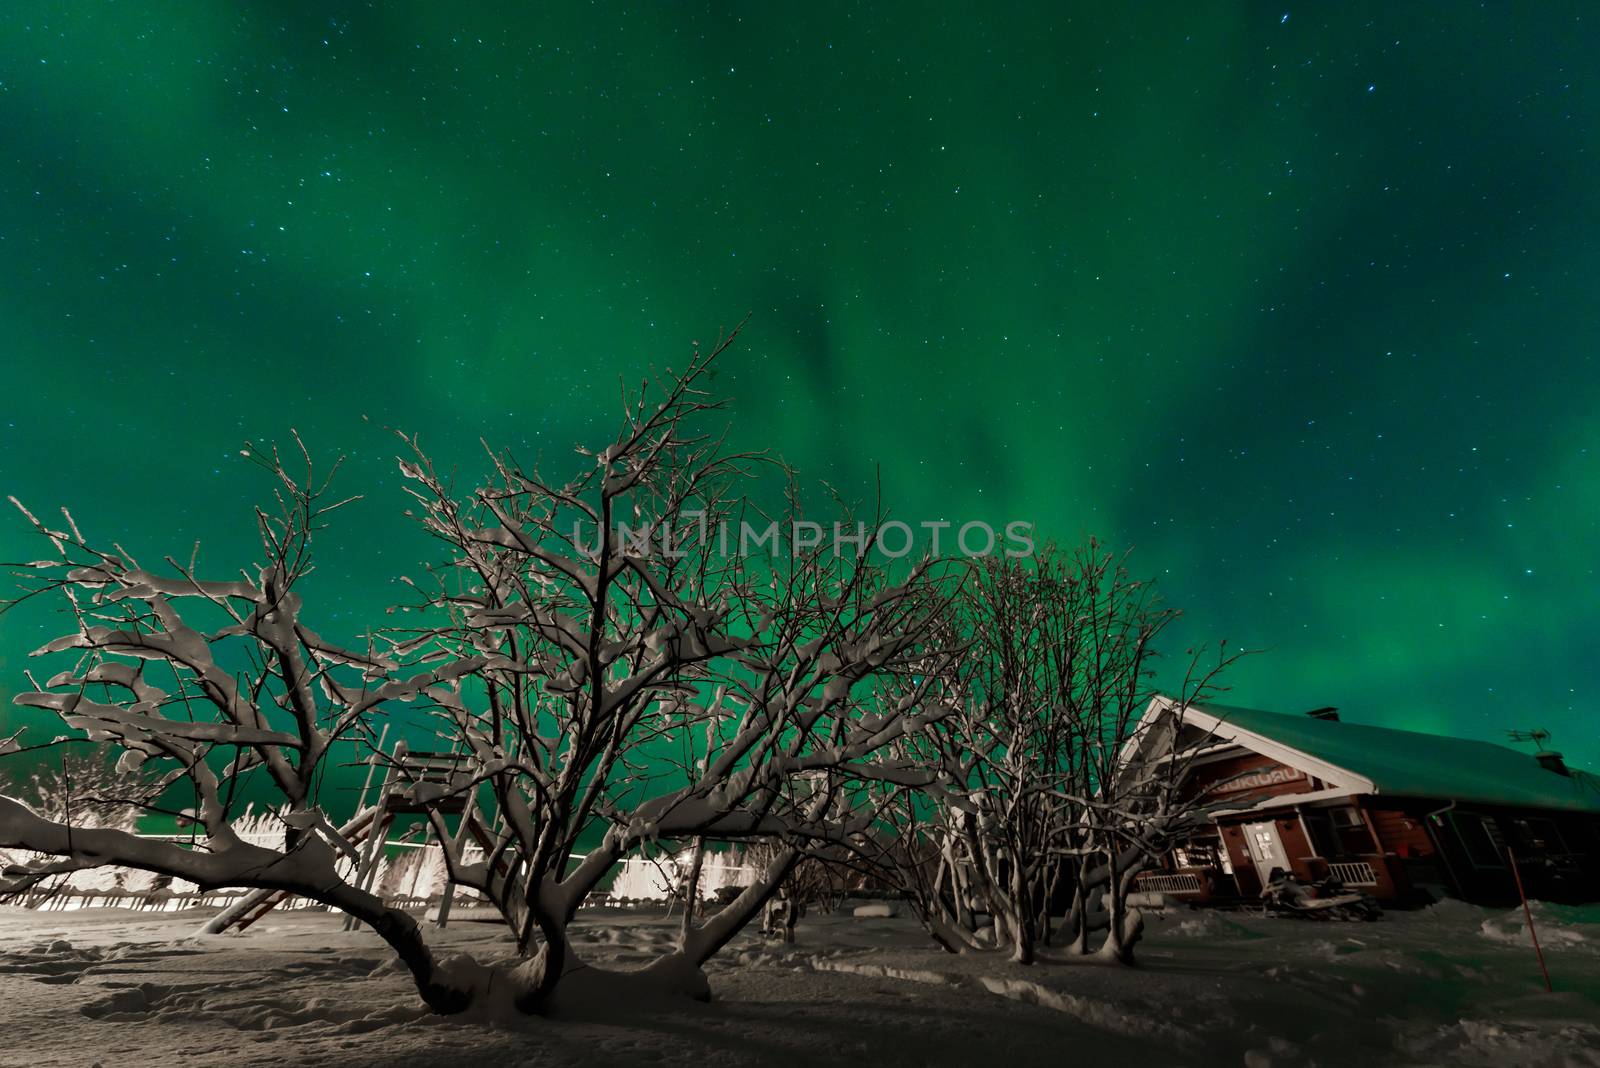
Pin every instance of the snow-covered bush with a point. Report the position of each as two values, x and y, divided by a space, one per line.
81 790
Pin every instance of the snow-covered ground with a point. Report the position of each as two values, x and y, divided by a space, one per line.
1453 985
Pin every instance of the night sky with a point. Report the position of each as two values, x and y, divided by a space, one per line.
1301 304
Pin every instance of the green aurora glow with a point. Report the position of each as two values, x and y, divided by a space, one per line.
1302 309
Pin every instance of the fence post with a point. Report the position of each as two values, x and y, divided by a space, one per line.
1527 914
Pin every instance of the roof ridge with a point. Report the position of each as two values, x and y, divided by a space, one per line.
1214 709
1403 762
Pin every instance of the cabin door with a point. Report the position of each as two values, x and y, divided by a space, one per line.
1266 848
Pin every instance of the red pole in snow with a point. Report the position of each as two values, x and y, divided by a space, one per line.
1528 915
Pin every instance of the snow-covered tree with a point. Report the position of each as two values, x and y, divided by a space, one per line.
640 676
1042 794
205 687
616 667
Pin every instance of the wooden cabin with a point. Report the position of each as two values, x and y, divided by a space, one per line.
1405 816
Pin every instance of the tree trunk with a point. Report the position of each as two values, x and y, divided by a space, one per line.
1114 904
1019 910
447 988
1051 879
1126 925
948 934
679 973
702 942
1078 915
691 890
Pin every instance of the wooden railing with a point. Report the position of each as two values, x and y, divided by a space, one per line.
1170 882
1353 872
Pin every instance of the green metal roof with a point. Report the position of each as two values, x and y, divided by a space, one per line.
1414 764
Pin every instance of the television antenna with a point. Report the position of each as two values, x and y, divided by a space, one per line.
1538 736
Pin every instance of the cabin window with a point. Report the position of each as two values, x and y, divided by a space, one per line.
1480 837
1198 855
1538 836
1338 832
1320 830
1351 832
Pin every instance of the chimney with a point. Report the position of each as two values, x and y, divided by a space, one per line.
1330 714
1552 762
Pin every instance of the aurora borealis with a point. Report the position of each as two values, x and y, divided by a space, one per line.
1298 303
